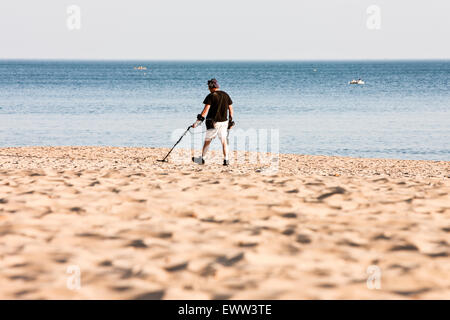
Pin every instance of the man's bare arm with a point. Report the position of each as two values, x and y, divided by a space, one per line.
205 110
203 115
230 120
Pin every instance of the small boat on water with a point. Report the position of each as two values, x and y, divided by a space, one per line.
359 81
140 68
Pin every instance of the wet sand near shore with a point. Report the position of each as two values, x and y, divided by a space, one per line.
140 229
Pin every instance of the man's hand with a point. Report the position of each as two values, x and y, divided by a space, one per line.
200 119
230 123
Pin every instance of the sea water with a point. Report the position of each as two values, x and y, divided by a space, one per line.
402 111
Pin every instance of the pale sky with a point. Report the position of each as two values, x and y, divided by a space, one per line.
225 30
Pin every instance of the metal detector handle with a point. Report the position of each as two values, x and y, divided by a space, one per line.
176 144
196 124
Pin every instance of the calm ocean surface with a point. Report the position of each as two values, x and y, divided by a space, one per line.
403 110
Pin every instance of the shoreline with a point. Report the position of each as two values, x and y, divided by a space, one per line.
137 228
289 163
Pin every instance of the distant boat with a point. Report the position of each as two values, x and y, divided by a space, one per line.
359 81
140 68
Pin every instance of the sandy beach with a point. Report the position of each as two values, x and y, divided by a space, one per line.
139 229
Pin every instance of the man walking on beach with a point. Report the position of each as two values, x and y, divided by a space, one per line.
217 106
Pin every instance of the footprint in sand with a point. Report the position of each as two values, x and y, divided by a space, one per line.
94 183
404 247
346 242
288 232
177 267
153 295
247 244
381 236
442 254
77 209
303 239
22 277
412 292
289 215
137 244
208 271
228 262
105 263
333 191
21 293
121 288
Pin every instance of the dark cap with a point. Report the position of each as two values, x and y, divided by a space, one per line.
213 83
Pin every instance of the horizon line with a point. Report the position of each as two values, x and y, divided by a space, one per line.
225 60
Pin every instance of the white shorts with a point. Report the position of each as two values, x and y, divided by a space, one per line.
220 129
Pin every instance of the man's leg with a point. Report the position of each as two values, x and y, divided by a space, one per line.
205 148
223 136
201 160
225 148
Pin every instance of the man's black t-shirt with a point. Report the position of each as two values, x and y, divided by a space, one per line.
219 101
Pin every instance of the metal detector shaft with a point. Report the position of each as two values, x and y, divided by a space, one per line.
175 144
